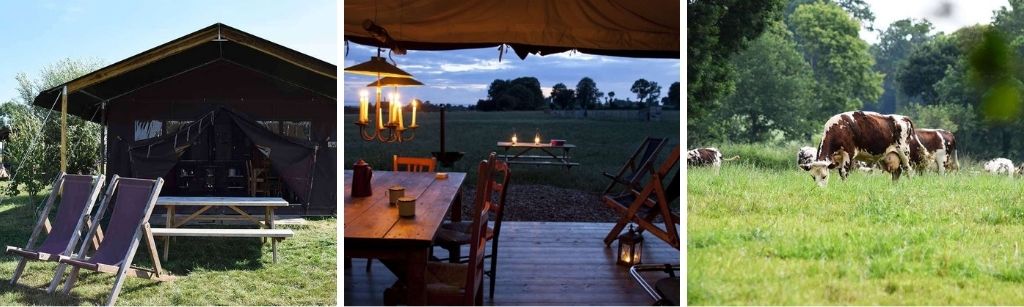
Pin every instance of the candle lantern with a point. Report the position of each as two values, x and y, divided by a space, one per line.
631 247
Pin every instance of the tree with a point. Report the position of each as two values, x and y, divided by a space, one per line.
894 47
646 91
611 97
828 38
924 67
859 9
586 93
672 99
33 147
715 31
522 93
562 96
764 106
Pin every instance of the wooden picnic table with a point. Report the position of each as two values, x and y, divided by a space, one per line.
373 228
547 158
268 203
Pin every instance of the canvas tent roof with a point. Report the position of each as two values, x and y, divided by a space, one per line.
605 27
206 46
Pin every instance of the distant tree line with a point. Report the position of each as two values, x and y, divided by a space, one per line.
524 93
783 67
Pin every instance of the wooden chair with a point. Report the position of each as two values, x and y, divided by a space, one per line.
413 164
452 236
257 179
77 195
641 207
129 222
462 283
636 167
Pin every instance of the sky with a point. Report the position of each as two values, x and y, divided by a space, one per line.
961 13
40 32
463 76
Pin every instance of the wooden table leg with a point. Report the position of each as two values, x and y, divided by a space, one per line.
415 277
170 224
266 220
270 224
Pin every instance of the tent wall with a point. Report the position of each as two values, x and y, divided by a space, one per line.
192 94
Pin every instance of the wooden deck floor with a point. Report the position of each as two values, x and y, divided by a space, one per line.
540 263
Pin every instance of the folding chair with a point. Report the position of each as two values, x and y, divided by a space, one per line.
77 196
665 291
452 236
128 223
641 207
636 167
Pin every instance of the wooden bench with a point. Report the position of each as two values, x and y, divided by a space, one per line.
275 234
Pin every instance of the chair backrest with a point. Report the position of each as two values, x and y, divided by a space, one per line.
78 193
499 170
413 164
475 272
638 164
672 187
135 199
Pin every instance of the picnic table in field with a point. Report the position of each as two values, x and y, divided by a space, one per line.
552 154
266 226
373 228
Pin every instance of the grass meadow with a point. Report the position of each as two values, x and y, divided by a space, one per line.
602 145
761 233
210 271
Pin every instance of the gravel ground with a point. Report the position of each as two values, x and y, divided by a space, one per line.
532 202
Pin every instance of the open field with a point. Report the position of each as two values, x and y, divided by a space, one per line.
602 145
211 271
762 233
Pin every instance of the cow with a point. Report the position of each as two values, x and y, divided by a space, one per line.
1000 165
861 135
807 154
706 157
934 145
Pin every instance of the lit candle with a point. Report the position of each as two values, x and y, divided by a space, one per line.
415 102
380 117
391 108
536 138
398 112
364 106
514 139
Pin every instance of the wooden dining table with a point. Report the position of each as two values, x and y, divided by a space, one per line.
373 228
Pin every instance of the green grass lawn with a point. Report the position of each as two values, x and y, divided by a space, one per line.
602 145
768 236
210 271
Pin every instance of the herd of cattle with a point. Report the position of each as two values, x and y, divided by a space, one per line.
868 141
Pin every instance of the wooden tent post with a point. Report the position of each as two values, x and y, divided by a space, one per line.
64 130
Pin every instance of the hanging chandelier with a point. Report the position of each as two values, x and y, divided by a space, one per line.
394 129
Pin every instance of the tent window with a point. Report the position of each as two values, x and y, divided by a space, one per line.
299 129
145 129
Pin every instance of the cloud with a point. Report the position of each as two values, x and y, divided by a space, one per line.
477 65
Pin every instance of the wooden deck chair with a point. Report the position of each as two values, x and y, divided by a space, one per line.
413 164
77 196
452 236
135 199
633 171
641 207
462 283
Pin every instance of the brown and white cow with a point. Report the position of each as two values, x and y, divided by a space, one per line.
864 136
706 157
934 145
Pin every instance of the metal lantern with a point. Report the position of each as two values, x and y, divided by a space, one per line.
631 247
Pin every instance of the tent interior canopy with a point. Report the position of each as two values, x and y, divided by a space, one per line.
604 27
214 44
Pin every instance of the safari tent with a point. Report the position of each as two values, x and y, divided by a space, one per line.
208 110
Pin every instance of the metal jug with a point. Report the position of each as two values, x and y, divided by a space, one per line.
361 174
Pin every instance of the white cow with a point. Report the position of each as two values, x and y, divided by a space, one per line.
999 166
